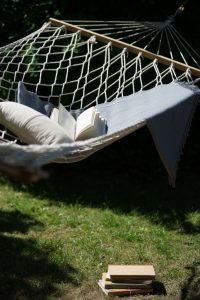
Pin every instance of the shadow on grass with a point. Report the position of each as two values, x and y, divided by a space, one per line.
26 271
128 176
15 221
158 288
191 289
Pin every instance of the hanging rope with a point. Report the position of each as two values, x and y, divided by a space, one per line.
179 11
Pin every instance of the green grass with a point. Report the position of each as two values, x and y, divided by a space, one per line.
58 235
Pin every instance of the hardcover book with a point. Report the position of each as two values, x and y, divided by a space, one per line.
127 273
120 292
108 284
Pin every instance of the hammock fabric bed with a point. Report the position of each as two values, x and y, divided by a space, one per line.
129 85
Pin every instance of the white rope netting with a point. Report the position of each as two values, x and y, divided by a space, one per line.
62 66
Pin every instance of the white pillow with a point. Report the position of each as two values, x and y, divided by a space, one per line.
31 126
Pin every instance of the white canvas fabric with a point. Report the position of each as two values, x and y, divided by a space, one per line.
31 99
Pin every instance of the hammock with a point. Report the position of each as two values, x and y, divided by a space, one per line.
78 67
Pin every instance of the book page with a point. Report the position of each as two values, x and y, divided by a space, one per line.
67 121
90 124
54 115
85 121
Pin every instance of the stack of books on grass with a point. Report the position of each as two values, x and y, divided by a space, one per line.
127 280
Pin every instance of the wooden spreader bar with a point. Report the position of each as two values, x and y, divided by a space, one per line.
131 48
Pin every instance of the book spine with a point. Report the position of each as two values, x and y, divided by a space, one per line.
129 279
126 286
130 292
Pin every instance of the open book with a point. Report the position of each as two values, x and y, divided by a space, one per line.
88 124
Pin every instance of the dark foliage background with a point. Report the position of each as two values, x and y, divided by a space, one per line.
19 17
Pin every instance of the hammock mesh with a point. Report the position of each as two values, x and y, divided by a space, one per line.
79 71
